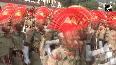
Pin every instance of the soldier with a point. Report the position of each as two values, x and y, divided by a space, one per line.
111 41
18 36
34 37
71 38
101 34
51 43
6 41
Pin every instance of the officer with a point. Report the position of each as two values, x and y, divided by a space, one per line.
6 41
18 35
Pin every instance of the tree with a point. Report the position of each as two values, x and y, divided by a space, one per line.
92 5
67 3
114 7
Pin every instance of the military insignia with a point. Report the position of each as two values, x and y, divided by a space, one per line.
5 13
18 14
42 14
96 17
114 17
70 21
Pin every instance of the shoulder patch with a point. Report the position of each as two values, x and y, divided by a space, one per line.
56 57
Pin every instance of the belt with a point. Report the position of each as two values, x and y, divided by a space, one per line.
5 60
17 53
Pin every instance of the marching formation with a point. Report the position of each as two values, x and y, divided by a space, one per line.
62 36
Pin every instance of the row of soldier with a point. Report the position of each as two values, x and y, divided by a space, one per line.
65 36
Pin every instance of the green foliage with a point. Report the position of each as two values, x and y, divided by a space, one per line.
67 3
114 7
92 5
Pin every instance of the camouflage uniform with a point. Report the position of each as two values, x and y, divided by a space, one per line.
61 56
112 39
101 32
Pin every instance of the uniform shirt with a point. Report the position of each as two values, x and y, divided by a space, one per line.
33 37
6 43
101 32
61 56
19 39
90 36
112 39
107 34
52 35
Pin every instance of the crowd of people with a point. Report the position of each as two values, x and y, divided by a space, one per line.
62 36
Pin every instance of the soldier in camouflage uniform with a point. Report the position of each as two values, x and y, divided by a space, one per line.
72 39
18 36
111 39
6 41
66 54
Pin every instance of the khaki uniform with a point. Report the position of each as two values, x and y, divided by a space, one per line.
101 32
19 39
107 34
6 45
50 35
112 39
33 37
61 56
